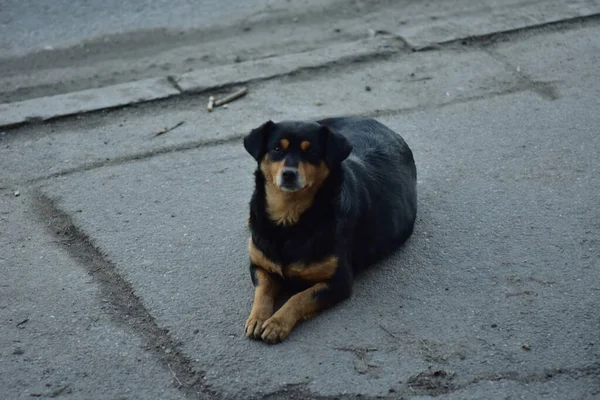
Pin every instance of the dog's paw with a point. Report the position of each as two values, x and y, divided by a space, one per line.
254 325
275 330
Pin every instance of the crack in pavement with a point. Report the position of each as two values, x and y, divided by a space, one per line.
545 375
542 88
139 156
437 382
127 308
545 89
490 39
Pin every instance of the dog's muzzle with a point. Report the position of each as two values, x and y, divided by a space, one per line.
289 180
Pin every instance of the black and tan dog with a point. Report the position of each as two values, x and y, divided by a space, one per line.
331 197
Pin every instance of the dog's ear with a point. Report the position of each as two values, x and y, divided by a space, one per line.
256 140
337 147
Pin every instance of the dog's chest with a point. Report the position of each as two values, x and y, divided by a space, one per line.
307 260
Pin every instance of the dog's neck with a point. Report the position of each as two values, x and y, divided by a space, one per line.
286 208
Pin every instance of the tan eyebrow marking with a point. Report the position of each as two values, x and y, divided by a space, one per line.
305 145
284 144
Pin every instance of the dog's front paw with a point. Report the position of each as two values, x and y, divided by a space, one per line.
254 325
276 329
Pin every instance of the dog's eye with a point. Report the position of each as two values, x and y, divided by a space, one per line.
277 149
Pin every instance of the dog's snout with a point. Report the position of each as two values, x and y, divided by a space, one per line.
289 175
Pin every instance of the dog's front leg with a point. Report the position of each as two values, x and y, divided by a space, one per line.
302 306
266 288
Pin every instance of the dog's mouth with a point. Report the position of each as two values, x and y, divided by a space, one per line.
294 187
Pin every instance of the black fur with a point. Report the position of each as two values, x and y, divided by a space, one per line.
254 142
365 209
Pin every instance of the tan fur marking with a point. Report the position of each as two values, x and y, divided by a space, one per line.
299 307
271 169
305 145
315 272
262 261
264 300
284 143
285 208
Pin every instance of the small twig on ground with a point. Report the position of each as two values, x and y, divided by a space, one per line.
211 103
231 97
165 130
541 281
522 293
65 240
356 350
388 332
174 376
55 393
22 323
425 78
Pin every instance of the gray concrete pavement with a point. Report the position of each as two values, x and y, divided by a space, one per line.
28 26
495 296
58 333
93 45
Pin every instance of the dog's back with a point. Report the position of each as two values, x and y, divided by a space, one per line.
380 185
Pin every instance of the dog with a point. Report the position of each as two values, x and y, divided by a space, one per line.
331 197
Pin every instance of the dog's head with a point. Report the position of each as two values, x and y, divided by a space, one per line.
295 155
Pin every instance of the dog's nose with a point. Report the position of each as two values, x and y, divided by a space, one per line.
289 175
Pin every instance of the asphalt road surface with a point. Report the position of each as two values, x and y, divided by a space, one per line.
30 26
124 254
